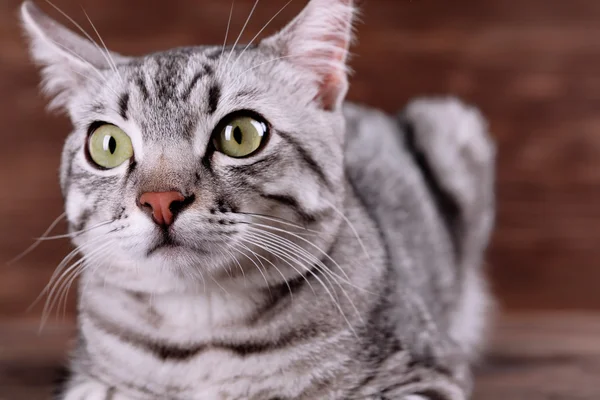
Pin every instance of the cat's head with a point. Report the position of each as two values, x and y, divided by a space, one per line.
201 161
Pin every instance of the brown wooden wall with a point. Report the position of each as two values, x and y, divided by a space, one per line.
532 66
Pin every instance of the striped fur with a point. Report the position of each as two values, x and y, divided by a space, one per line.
340 261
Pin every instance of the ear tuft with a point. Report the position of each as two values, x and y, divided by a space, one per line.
318 40
68 60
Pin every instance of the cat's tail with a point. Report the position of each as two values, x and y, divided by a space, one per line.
450 142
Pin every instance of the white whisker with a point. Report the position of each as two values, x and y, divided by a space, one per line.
258 256
75 233
65 277
242 31
257 242
306 254
87 35
261 31
107 56
280 221
37 242
225 40
287 245
65 261
257 267
235 260
360 242
283 255
307 242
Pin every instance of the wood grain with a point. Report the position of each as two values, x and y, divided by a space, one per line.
533 68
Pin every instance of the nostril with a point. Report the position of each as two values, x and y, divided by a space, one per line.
179 205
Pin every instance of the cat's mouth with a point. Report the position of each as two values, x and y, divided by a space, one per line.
166 241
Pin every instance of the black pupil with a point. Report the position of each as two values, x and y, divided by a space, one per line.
112 145
237 134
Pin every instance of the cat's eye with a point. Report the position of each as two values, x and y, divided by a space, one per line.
109 146
240 136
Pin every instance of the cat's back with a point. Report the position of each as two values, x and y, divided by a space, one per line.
425 177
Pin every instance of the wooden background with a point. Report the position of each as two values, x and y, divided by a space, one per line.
532 66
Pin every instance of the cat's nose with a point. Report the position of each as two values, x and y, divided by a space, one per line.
164 206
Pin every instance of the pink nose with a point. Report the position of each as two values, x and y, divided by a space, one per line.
164 205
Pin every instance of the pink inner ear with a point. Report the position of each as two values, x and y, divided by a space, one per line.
329 91
334 76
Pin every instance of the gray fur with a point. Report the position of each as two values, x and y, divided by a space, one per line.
342 261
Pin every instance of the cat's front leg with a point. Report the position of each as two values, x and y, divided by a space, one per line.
89 389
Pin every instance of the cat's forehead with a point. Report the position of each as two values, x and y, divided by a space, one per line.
175 66
170 93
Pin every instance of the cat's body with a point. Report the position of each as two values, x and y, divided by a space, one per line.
340 261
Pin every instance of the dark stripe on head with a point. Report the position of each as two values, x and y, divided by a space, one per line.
445 203
206 70
124 106
188 129
214 94
97 108
143 88
308 159
292 203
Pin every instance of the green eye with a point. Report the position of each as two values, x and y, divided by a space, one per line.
241 137
109 146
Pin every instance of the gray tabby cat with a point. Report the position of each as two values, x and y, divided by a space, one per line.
248 235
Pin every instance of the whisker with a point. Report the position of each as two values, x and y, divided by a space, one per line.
272 264
256 242
266 62
261 31
103 79
360 242
279 220
307 242
65 261
108 56
307 255
282 255
75 233
242 31
286 244
219 285
87 35
35 244
232 256
226 35
65 277
257 267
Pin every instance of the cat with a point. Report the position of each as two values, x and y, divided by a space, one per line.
247 234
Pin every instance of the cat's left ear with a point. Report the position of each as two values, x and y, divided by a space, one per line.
68 59
317 40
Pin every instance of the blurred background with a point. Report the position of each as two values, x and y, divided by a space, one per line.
533 67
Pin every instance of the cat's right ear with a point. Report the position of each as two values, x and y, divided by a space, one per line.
67 59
